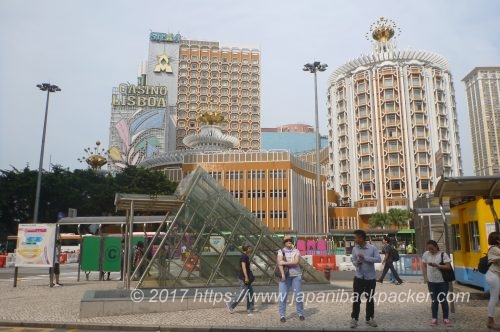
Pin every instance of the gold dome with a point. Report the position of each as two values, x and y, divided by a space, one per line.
211 118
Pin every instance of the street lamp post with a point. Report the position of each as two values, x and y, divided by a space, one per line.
49 88
314 68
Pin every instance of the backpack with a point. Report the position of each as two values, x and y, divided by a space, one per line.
483 264
394 254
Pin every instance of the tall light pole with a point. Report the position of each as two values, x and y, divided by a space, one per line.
49 88
314 68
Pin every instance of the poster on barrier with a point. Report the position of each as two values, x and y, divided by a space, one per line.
35 245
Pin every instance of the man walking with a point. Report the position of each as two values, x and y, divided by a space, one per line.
388 262
364 256
245 279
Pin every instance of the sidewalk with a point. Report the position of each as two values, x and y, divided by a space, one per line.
34 304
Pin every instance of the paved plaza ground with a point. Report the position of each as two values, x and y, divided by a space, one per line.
35 303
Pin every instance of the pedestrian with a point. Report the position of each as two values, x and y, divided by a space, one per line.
57 269
289 256
493 277
438 288
138 254
245 279
364 256
122 256
389 262
409 248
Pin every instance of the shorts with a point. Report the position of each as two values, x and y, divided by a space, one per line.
56 268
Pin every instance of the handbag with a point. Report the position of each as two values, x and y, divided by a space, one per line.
277 272
448 275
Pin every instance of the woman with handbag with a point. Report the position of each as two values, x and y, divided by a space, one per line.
493 277
434 263
291 277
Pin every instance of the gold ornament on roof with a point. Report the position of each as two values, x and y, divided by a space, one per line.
383 30
211 118
95 158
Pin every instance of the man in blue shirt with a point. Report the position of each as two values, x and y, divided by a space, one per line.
364 256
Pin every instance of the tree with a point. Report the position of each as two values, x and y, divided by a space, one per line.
399 217
380 219
91 193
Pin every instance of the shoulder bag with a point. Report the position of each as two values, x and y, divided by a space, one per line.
448 275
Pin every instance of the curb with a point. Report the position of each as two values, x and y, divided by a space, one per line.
158 328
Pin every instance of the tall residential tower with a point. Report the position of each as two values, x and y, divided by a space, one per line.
482 86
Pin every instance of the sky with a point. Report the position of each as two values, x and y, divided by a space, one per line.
89 47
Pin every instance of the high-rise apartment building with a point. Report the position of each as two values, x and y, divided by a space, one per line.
223 78
482 86
392 125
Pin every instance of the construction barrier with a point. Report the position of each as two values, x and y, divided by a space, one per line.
320 262
3 260
11 260
63 257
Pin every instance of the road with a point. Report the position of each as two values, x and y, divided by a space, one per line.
69 273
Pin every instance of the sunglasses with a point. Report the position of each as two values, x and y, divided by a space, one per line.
288 241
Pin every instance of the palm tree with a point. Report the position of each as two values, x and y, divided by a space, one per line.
380 219
399 217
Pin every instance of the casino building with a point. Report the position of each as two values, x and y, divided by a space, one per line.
180 80
392 125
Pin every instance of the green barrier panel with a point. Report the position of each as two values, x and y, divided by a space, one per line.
111 260
90 253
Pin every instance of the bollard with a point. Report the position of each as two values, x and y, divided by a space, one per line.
327 272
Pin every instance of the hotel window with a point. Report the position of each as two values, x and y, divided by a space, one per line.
234 126
417 93
215 66
367 187
361 87
419 118
224 60
418 105
420 131
224 76
388 82
366 175
215 74
395 184
224 92
256 174
216 175
193 89
255 62
214 59
234 76
277 193
235 60
363 123
278 174
394 171
393 158
204 66
389 107
424 184
194 65
181 124
363 136
256 194
259 214
234 175
422 158
362 111
362 99
278 214
225 67
421 145
391 119
365 161
393 145
365 148
424 171
415 80
237 193
234 67
203 82
389 93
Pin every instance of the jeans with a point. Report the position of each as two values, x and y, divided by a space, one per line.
439 292
361 286
284 287
493 281
245 290
390 266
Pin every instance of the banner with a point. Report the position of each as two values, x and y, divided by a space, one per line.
35 245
